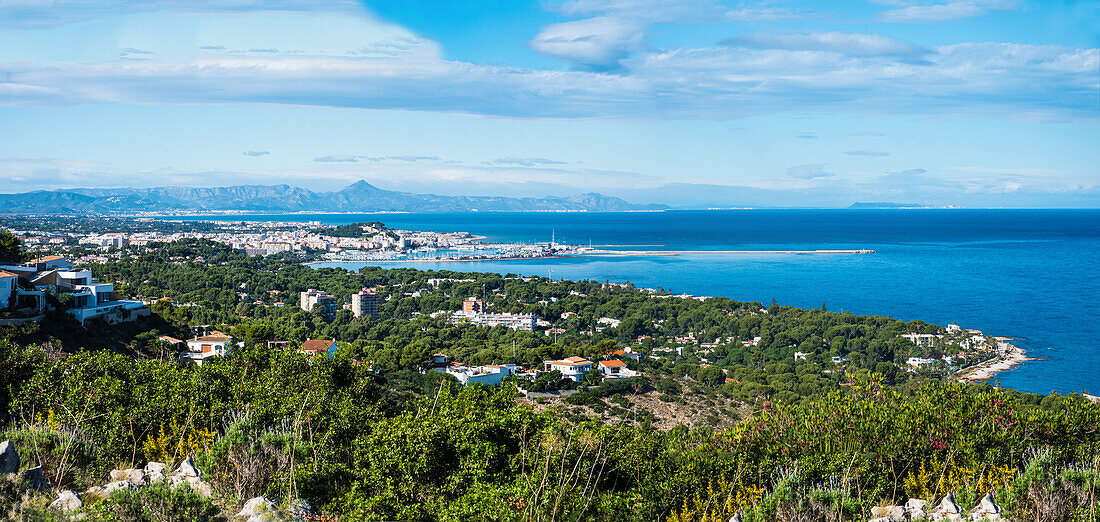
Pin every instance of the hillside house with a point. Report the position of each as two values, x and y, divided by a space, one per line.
204 347
573 368
615 369
314 347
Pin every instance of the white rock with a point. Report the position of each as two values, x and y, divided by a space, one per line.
155 467
736 517
948 505
66 502
987 506
915 506
200 487
117 485
9 458
891 513
96 491
256 506
133 476
187 469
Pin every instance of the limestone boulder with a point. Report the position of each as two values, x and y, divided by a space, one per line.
987 509
135 477
9 457
111 487
948 506
260 509
67 502
187 469
154 472
889 513
37 478
200 487
915 507
96 492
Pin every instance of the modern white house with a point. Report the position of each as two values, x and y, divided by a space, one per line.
51 263
573 368
615 369
202 348
99 300
923 340
917 362
56 274
9 282
490 374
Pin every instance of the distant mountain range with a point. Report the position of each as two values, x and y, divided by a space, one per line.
358 197
884 204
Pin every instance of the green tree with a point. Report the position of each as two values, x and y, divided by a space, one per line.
11 248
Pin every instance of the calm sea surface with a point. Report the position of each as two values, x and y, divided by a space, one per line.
1031 274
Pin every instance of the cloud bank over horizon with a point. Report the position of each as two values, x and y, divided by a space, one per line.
644 90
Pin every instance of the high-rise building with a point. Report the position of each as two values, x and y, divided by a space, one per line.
364 303
473 306
329 304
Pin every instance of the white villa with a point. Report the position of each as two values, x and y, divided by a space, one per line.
573 368
201 348
615 369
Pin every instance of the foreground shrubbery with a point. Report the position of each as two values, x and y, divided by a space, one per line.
270 422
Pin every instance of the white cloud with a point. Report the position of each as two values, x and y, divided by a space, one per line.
810 171
337 158
527 162
852 44
944 12
616 29
593 43
373 64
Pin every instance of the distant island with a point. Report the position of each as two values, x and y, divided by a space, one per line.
358 197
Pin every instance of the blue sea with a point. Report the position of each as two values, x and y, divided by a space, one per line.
1029 274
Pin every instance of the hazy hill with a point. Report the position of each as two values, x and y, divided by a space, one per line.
358 197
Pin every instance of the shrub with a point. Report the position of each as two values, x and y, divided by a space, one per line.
160 502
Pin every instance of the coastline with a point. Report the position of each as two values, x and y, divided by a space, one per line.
1013 356
597 253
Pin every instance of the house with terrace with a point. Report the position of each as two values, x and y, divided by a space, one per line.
573 368
202 348
90 298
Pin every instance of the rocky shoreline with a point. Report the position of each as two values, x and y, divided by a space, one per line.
1013 356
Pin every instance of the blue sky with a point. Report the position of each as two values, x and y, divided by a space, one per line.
980 103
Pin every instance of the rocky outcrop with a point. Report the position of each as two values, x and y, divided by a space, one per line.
259 509
186 474
947 509
67 502
9 458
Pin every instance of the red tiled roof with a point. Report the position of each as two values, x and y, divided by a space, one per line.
46 259
612 363
212 338
317 345
5 273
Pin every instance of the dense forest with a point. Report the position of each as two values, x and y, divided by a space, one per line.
369 434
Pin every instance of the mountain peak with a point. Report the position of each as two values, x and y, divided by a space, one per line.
361 185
